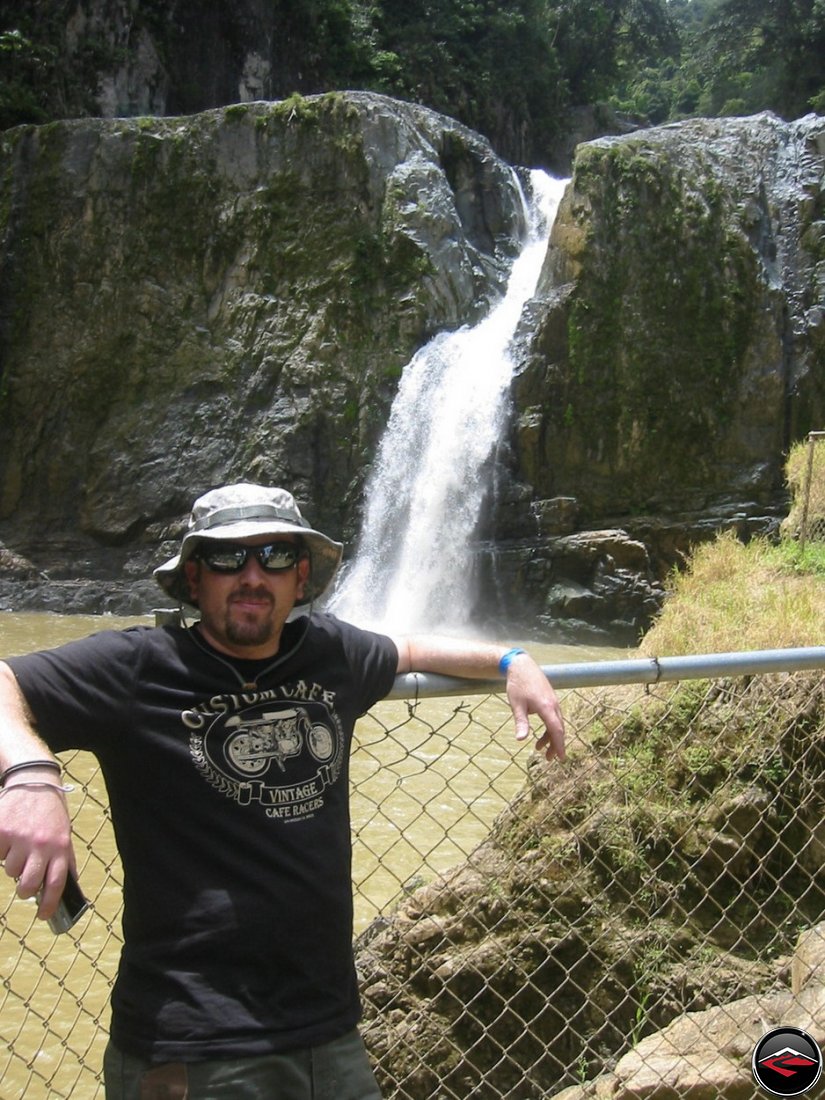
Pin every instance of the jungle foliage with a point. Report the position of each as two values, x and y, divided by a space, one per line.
508 68
734 57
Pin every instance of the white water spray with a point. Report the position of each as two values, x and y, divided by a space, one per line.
413 568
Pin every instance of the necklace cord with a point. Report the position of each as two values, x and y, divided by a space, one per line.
203 645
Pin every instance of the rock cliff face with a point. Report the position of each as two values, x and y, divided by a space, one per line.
680 337
676 348
187 301
234 294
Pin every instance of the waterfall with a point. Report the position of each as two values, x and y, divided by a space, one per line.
413 566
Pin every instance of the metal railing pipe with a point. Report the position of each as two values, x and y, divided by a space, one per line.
640 670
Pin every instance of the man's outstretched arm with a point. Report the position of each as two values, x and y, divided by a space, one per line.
35 831
528 689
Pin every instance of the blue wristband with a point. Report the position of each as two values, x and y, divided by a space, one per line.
504 662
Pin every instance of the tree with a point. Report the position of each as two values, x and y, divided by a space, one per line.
489 63
773 49
597 41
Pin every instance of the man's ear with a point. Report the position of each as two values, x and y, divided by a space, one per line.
192 572
304 568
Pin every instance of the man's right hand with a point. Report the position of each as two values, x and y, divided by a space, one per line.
35 836
35 830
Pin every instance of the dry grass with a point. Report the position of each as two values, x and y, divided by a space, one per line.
757 596
805 462
736 597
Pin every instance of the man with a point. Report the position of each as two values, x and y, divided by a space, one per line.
225 749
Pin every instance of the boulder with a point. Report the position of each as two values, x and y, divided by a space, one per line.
707 1055
189 301
676 343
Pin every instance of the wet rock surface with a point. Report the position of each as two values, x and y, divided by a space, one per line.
190 301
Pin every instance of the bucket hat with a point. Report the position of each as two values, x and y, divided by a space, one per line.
241 511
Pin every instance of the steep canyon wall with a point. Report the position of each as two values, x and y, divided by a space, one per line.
229 295
232 294
675 350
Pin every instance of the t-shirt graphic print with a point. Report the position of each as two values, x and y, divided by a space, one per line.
279 749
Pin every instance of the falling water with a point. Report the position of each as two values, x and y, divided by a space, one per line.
413 567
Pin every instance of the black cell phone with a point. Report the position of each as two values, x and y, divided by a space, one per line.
71 908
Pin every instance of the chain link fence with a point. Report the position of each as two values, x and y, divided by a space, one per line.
525 929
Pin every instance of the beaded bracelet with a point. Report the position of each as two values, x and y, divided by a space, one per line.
506 658
37 785
29 764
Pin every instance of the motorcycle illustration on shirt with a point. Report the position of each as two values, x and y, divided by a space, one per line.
276 736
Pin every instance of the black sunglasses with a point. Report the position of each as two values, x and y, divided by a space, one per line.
231 557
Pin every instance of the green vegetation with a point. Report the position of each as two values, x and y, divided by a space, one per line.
734 596
763 595
509 70
733 57
670 844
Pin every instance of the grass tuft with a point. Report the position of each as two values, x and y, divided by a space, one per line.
736 597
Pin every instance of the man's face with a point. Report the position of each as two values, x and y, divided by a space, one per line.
243 613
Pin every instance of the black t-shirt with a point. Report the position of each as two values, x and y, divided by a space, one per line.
230 806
